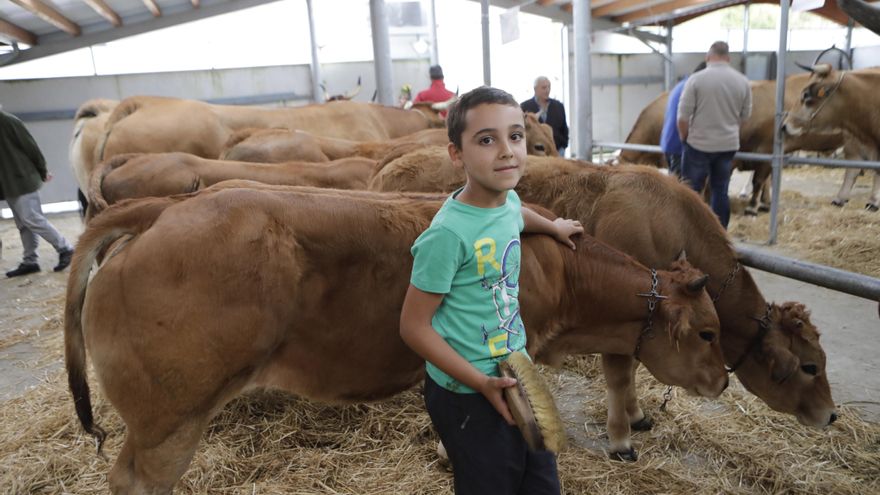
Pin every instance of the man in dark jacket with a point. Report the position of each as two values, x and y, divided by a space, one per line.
549 111
22 173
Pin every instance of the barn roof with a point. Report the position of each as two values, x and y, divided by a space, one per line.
32 29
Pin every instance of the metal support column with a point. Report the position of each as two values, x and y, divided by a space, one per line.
668 66
849 27
487 66
381 52
745 35
317 94
583 96
778 135
435 51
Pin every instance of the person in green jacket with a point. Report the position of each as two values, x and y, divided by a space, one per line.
22 173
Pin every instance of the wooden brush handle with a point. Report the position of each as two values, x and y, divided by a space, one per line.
521 409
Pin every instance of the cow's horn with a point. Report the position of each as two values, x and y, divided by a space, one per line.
351 94
822 69
804 66
698 284
682 256
444 105
324 88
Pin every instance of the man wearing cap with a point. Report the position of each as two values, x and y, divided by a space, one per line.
549 111
437 92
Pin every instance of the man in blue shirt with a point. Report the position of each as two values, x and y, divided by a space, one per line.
670 141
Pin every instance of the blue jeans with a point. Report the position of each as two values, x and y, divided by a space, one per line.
488 455
696 165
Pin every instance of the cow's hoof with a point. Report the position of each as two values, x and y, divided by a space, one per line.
628 456
838 202
872 207
764 208
751 211
644 424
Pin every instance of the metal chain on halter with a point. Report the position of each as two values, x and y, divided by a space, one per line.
653 297
667 396
727 282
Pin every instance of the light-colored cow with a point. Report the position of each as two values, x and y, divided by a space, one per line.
139 175
279 145
845 101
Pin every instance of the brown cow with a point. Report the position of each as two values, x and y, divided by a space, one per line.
138 175
279 145
756 135
308 300
651 216
152 124
841 101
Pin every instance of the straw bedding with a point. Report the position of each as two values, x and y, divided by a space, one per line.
270 442
812 230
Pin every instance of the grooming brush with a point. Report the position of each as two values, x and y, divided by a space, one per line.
532 405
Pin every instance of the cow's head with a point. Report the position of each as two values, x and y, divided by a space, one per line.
348 95
685 349
821 107
539 137
787 367
434 112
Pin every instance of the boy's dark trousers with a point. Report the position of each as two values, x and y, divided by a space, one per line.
488 456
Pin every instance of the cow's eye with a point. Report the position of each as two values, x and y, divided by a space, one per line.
810 369
539 147
707 336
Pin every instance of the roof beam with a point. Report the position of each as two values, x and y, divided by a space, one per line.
658 9
50 15
143 22
105 11
153 7
16 33
616 6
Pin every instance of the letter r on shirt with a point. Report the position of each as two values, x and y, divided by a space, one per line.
485 257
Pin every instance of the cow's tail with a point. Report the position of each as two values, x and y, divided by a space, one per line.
125 108
130 219
97 201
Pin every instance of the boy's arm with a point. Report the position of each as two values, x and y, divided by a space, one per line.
562 228
416 331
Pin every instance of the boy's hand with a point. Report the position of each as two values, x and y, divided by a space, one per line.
493 389
565 229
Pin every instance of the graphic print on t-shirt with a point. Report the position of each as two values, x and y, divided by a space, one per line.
502 285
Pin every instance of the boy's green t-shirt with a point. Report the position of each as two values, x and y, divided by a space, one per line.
472 256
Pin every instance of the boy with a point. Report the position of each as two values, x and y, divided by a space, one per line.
461 312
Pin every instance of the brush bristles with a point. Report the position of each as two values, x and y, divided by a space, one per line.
539 396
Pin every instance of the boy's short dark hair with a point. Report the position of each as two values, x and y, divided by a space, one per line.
455 120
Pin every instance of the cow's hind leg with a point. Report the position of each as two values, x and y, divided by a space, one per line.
155 469
618 371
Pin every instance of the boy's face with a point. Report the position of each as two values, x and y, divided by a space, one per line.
493 148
